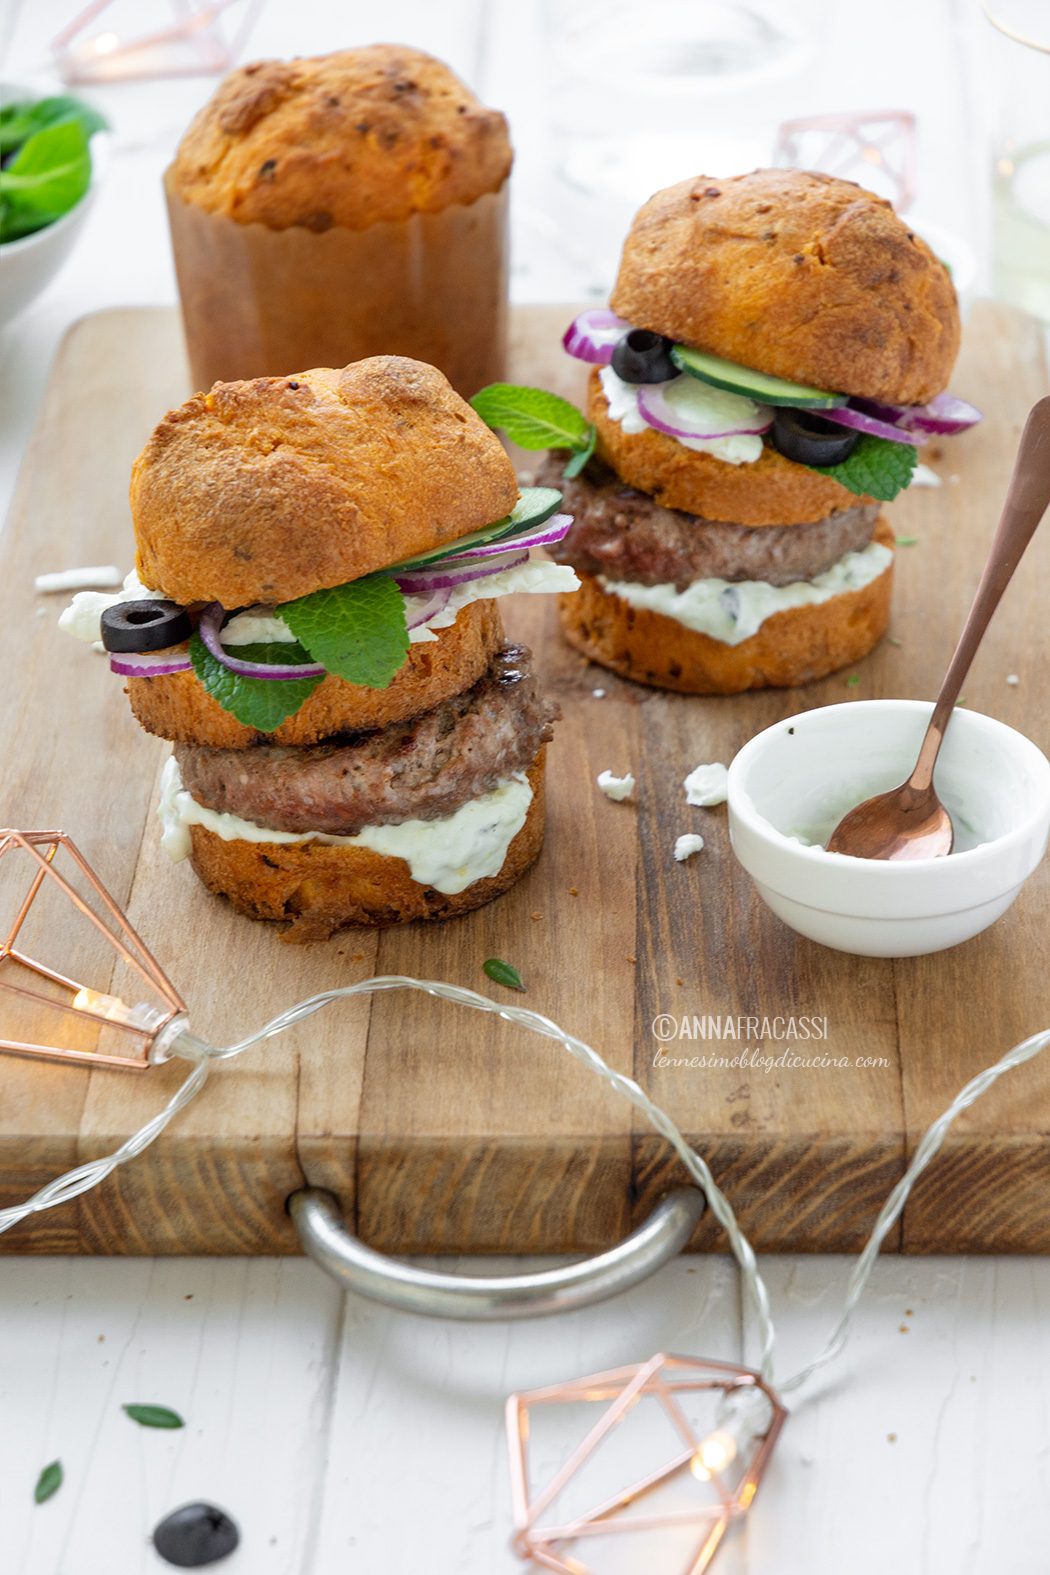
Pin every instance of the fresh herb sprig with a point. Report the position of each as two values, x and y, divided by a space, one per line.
45 162
533 418
48 1482
503 973
153 1416
877 468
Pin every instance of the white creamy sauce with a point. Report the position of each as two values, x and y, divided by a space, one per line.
263 626
81 617
449 854
622 399
732 612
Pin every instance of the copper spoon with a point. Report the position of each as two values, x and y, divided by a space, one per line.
910 822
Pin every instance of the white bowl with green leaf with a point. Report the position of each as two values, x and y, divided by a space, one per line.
49 168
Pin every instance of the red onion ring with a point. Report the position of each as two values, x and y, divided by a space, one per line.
553 530
148 664
209 630
944 415
593 335
860 421
437 603
449 573
653 406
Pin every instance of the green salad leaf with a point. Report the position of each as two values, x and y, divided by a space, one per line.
877 468
260 703
357 631
47 177
533 418
18 122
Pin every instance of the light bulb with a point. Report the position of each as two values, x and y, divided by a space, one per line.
113 1010
716 1452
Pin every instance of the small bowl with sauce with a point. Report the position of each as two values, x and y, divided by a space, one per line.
792 783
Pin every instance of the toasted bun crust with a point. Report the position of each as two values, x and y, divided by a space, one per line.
797 274
770 491
355 138
321 889
268 490
791 647
179 708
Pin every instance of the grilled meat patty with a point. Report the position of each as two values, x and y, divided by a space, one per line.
627 535
421 769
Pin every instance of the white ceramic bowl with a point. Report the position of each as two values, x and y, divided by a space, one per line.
28 265
798 778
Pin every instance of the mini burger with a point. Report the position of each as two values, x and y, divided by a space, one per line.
775 357
312 620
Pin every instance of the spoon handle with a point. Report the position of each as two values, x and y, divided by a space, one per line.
1026 503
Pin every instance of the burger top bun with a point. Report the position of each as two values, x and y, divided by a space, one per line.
796 274
360 137
267 490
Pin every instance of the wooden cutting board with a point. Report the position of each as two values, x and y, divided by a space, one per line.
442 1131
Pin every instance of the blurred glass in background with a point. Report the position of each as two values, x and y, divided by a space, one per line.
1019 66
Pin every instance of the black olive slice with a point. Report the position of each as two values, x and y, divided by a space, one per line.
808 439
644 357
195 1535
150 625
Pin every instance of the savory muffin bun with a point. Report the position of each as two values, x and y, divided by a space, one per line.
771 490
177 706
318 888
794 646
272 489
796 274
355 138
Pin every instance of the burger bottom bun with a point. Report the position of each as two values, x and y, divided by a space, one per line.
791 647
180 708
317 888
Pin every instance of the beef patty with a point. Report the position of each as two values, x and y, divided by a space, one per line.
627 535
422 769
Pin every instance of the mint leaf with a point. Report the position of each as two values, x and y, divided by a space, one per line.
357 631
18 122
47 176
580 458
534 418
48 1482
154 1416
260 703
504 973
877 468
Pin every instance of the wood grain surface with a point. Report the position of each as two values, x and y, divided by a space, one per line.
438 1130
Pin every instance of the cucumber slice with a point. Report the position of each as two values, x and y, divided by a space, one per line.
756 385
534 505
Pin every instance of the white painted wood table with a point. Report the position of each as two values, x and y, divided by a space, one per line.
343 1438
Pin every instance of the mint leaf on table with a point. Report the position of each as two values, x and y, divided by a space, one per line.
47 177
877 468
357 631
154 1416
504 973
48 1482
19 121
260 703
533 418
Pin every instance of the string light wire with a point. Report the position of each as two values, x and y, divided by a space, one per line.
84 1177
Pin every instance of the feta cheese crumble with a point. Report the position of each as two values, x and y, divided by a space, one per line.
707 785
687 845
616 788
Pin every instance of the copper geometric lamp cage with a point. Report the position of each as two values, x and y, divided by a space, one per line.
37 992
714 1475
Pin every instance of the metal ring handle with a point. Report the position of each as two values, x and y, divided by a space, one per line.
395 1283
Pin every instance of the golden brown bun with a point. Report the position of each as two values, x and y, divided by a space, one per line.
268 490
770 491
797 274
321 888
789 648
356 138
180 708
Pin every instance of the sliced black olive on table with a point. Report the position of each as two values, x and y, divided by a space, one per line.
149 625
810 440
194 1535
644 357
